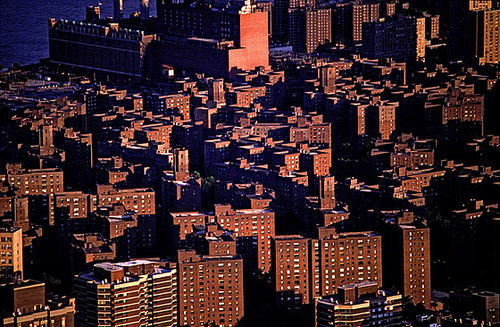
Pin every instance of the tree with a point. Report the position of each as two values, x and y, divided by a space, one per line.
207 183
207 192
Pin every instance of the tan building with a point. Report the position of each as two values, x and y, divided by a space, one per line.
420 23
310 28
491 36
474 31
360 304
36 181
42 183
480 4
133 293
11 253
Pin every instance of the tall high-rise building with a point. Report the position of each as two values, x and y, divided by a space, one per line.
181 165
432 26
138 293
253 230
348 18
144 9
290 269
381 119
117 10
46 139
307 268
400 38
216 90
281 17
210 289
266 6
420 27
327 192
407 267
220 36
79 159
309 28
474 31
490 19
461 32
93 13
11 253
479 4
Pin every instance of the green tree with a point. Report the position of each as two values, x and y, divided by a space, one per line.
207 183
207 192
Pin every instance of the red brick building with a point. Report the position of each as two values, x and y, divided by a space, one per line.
168 105
305 268
216 41
210 289
250 225
39 185
408 266
24 303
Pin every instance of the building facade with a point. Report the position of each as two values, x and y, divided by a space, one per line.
210 289
139 293
11 253
400 38
304 269
360 304
107 51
